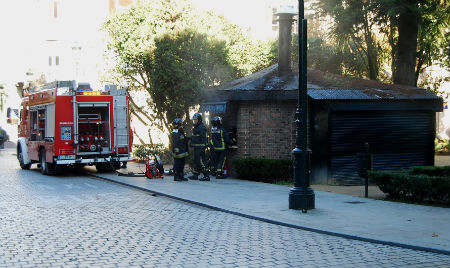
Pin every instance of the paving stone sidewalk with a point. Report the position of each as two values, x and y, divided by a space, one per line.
391 222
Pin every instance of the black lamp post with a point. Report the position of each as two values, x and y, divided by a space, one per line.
301 196
1 97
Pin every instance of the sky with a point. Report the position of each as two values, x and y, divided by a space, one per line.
17 30
23 28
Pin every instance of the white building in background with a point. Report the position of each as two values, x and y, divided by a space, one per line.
62 39
56 39
256 17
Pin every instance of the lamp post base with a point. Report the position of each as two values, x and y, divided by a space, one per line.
300 198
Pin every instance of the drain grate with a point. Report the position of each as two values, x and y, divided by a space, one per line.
355 202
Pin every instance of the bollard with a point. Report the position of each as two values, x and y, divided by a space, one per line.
365 164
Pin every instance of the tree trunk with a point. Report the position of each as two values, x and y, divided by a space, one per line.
393 45
407 44
372 56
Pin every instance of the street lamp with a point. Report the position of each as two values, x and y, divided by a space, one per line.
77 50
301 196
2 93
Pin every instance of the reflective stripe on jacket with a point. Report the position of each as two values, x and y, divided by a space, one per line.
199 138
219 138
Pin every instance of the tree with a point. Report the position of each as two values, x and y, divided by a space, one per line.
156 50
408 29
416 34
354 35
414 29
433 36
245 55
181 65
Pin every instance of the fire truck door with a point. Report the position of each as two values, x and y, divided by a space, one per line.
50 122
121 122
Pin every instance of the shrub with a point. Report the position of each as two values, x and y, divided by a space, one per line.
432 171
440 190
419 184
264 170
441 146
419 187
392 183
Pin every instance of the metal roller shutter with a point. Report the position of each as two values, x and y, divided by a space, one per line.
397 140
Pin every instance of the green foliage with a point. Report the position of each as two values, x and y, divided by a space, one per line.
156 48
144 151
323 57
245 55
443 171
420 184
433 33
435 84
441 146
264 170
353 34
392 183
181 65
365 35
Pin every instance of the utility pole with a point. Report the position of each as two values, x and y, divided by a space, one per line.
301 196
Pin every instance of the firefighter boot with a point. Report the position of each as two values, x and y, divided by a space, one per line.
181 176
178 176
205 177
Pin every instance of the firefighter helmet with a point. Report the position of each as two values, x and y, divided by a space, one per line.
176 123
216 121
197 116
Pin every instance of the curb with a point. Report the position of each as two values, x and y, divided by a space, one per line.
353 237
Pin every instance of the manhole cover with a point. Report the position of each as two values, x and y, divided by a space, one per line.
355 202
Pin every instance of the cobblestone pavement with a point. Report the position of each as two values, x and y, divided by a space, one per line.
75 221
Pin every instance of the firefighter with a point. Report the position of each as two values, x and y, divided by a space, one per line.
179 149
199 142
219 142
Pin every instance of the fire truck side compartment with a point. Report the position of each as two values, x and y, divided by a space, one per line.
121 128
94 119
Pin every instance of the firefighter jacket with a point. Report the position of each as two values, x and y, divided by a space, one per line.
199 138
179 144
219 138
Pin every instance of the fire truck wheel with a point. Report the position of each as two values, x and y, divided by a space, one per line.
46 168
20 156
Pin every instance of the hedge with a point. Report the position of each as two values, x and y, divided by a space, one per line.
443 171
263 170
419 184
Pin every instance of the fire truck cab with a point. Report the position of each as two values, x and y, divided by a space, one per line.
68 124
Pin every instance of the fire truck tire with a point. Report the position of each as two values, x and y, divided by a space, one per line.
20 157
46 168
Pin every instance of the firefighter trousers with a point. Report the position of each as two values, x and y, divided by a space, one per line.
200 161
178 164
219 157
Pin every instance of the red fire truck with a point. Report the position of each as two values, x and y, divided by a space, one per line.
68 124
